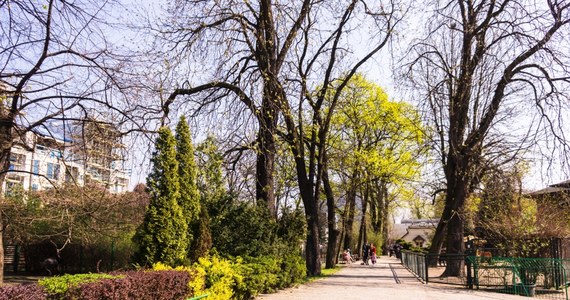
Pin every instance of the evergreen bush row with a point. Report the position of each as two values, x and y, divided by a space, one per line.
141 285
243 278
235 278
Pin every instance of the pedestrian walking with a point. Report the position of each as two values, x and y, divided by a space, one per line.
373 254
365 253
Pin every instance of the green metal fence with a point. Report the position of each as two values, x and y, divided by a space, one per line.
416 263
430 268
544 278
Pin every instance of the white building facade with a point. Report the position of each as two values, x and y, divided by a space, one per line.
41 161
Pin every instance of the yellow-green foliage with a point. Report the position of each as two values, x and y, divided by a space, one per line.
237 278
379 136
261 275
59 285
220 277
198 283
210 275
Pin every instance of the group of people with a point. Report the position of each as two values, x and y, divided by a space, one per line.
396 250
368 253
347 256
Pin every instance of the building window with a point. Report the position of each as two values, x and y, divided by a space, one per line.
55 153
35 187
68 176
17 162
56 171
52 171
49 173
36 167
14 185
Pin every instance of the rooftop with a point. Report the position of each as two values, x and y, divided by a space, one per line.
553 188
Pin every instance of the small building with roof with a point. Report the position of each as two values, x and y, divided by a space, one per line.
418 232
559 192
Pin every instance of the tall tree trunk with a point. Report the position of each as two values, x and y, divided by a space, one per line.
6 138
333 232
264 185
313 258
441 230
362 234
350 212
1 245
375 211
385 234
360 239
340 246
384 206
265 167
455 246
306 188
458 177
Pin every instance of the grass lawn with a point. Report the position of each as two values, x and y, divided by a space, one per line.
324 273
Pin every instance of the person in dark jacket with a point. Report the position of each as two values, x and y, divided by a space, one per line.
365 253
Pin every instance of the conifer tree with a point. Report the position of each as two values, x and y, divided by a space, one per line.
203 241
210 177
210 192
189 200
162 237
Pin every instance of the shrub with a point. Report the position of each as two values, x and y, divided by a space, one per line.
151 285
197 283
59 285
419 249
221 277
260 275
31 291
405 245
238 278
141 285
241 229
293 270
268 273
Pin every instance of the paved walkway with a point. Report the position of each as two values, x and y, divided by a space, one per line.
388 279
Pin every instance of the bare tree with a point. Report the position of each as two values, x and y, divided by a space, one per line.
278 60
56 67
253 41
488 72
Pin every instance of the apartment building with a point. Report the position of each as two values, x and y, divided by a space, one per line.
87 152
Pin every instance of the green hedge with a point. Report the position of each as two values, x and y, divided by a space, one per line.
221 278
243 278
59 285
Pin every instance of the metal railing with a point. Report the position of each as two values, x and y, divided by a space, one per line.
543 278
417 264
433 267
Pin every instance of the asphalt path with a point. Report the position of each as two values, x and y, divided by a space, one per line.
388 279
